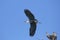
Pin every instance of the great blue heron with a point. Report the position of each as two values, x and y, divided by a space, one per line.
32 22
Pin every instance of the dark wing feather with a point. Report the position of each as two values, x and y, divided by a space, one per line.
32 28
55 38
29 14
49 36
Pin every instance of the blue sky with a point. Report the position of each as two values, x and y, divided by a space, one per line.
12 19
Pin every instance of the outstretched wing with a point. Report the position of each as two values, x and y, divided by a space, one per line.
32 28
49 36
29 14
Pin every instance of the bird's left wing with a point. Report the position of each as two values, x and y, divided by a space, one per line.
29 14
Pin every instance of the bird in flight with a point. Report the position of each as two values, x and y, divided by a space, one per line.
33 22
52 37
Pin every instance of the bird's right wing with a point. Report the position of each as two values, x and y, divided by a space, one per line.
32 28
29 14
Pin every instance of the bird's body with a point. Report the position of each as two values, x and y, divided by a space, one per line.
32 22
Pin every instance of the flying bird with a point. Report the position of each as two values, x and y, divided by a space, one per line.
32 21
52 37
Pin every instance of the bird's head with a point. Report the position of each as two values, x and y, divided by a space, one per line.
54 34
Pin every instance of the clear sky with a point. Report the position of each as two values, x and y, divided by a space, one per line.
12 17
